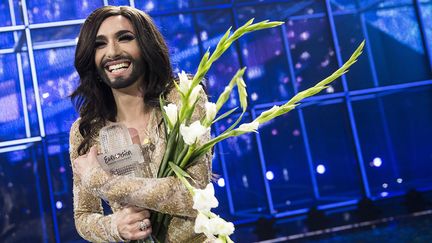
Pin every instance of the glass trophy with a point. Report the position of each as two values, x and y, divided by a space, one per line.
119 155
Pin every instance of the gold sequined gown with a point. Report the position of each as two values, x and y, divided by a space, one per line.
167 195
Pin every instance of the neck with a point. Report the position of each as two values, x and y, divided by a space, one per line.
130 106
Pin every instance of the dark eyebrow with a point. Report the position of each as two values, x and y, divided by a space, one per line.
122 32
100 37
118 34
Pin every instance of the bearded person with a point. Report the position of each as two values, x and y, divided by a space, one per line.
123 64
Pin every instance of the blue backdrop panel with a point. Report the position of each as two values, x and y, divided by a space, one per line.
367 134
222 189
350 30
243 166
396 153
393 34
312 51
12 124
57 79
61 174
333 151
212 25
179 32
287 164
24 204
268 75
42 11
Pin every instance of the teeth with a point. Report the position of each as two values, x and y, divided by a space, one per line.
118 66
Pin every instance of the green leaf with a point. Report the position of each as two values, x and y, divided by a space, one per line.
241 88
182 175
178 171
225 115
234 124
262 117
164 116
228 89
226 41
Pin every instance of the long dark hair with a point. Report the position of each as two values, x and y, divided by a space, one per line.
94 99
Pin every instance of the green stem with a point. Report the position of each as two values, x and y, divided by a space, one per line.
177 160
187 156
168 151
181 146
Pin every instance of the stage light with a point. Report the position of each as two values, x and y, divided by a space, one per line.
305 55
245 52
384 194
204 35
377 162
269 175
385 185
291 34
285 174
59 205
245 181
325 63
321 169
330 89
149 6
305 35
221 182
399 180
45 95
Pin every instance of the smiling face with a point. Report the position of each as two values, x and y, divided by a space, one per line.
118 56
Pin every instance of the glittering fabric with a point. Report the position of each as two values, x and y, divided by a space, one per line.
167 195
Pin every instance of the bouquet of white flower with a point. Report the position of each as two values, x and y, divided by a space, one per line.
182 138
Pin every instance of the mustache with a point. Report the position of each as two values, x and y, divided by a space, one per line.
105 60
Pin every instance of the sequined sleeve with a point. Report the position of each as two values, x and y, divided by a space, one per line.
166 195
90 221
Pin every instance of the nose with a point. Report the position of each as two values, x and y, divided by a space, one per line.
113 50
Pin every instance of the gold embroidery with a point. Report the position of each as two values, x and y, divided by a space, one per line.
166 195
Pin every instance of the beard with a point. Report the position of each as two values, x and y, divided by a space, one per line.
122 82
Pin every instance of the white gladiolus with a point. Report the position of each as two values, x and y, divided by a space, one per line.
171 112
202 225
185 82
193 132
210 111
248 127
221 227
194 95
204 199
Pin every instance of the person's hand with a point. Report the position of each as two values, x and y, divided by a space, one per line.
85 163
133 223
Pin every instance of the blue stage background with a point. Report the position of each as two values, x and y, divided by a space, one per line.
368 135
